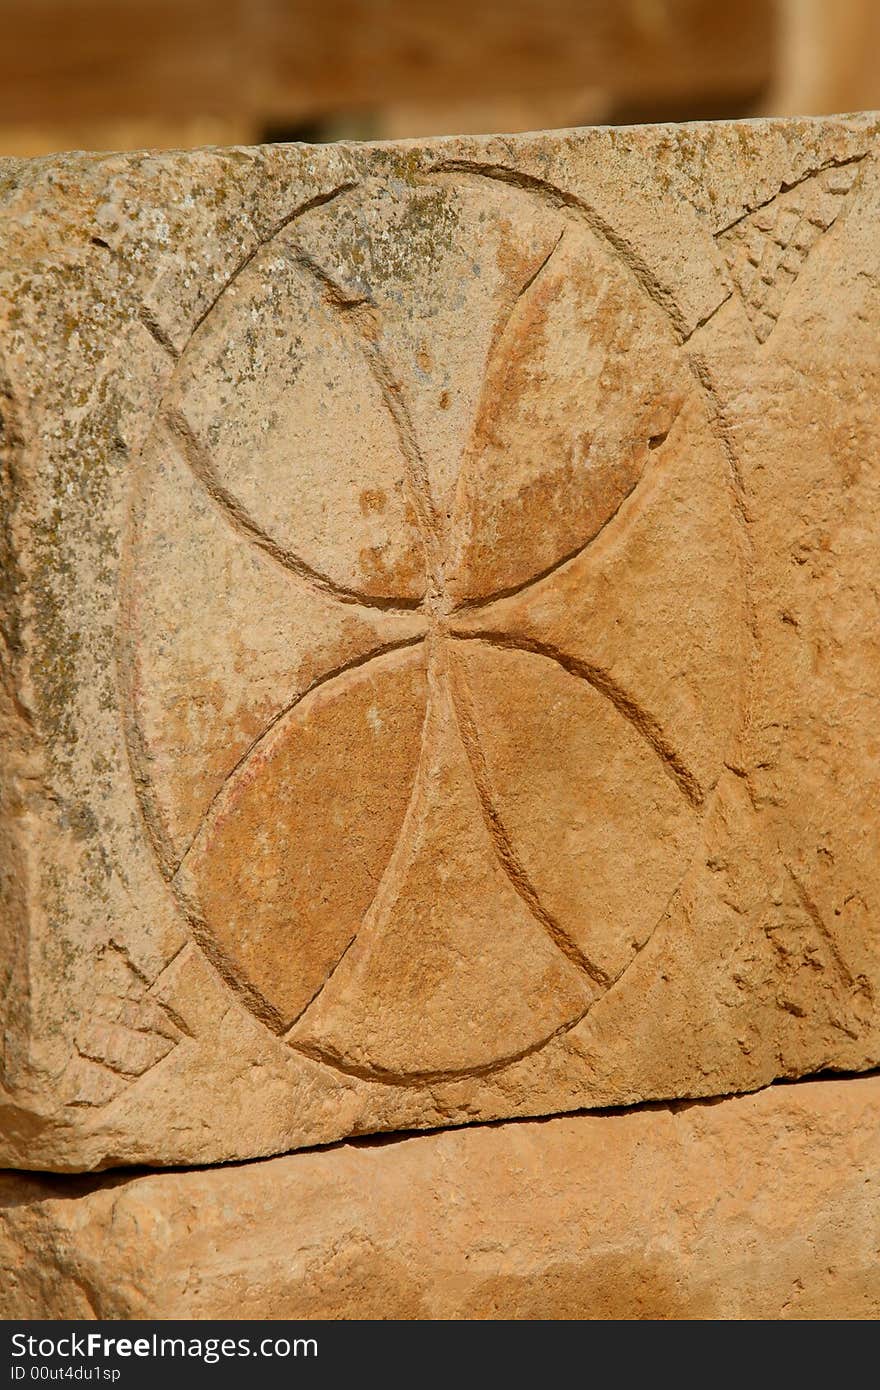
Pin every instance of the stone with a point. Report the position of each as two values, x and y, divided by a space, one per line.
765 1206
440 633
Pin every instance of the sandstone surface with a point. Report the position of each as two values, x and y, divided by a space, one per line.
763 1206
441 633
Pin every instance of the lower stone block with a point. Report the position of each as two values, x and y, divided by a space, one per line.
763 1206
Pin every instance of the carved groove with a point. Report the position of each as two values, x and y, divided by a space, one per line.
818 922
506 854
643 722
331 1057
558 198
337 673
157 332
199 461
655 445
310 204
391 873
363 319
367 323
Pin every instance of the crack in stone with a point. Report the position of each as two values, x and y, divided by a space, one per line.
765 255
830 163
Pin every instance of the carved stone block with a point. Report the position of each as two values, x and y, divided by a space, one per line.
440 661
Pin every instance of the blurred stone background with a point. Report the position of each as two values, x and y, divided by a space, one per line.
124 74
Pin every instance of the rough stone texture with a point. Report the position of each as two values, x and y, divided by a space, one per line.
441 632
763 1206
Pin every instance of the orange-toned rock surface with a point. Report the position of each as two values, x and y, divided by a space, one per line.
440 618
762 1206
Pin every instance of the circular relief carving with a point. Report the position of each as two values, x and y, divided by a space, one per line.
435 625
